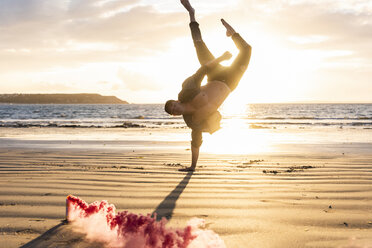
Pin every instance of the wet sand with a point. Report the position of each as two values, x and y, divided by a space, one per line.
316 195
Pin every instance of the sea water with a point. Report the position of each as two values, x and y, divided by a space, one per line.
357 116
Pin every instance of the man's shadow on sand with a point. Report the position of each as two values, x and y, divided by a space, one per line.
166 207
62 235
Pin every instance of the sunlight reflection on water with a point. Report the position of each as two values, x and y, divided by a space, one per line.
236 138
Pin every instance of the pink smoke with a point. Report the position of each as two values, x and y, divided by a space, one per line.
127 230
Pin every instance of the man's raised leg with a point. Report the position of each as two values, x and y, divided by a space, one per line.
202 51
190 9
229 30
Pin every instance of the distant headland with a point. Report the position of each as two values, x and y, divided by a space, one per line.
59 99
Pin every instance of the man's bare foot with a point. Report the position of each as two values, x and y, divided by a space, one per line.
188 6
229 30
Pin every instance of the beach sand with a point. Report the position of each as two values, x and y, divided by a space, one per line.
307 195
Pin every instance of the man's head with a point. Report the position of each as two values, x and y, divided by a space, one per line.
173 107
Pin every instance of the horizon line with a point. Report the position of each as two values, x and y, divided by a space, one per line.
284 102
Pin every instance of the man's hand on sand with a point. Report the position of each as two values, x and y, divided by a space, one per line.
229 30
187 169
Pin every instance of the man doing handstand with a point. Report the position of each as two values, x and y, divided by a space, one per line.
199 104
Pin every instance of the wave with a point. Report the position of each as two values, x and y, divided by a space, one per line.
27 125
308 118
173 124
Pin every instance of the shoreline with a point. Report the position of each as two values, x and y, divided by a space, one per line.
230 140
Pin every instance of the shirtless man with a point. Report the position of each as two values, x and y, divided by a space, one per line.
199 104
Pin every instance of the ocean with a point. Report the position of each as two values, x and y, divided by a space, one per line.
274 116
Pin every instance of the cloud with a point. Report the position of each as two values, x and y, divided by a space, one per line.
339 33
135 81
43 87
39 34
69 33
82 9
344 25
57 35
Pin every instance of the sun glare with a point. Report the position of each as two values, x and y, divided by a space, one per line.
236 137
233 106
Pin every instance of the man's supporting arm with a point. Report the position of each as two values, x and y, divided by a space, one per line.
196 142
194 156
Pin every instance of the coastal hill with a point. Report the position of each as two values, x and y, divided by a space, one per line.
60 99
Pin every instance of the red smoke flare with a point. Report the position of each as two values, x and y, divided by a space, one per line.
100 222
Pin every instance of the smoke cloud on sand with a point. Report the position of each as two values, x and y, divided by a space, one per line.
100 223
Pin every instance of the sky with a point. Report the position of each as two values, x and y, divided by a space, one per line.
141 50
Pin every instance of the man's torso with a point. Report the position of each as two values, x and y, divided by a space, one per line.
213 94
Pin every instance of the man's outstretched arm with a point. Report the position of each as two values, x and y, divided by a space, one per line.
193 82
213 63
